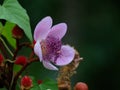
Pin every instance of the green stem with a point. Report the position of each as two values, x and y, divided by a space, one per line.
10 88
9 60
6 47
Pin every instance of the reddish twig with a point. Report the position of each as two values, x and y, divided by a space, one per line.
20 72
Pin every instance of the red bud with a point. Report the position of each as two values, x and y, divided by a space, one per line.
81 86
1 59
39 81
34 42
21 60
17 32
26 83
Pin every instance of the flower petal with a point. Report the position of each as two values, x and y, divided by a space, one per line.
58 31
42 28
38 50
48 65
67 55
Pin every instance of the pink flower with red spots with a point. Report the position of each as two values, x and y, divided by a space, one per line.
48 46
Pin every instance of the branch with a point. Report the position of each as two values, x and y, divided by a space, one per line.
20 72
66 72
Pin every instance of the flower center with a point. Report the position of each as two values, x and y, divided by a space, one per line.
51 48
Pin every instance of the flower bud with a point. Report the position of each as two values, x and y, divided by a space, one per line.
17 32
34 42
39 81
81 86
21 60
1 59
26 83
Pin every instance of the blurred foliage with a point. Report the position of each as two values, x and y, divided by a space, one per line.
7 33
93 29
48 84
12 11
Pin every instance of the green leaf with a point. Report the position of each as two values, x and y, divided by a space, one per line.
35 88
7 33
1 27
17 68
13 12
48 84
35 84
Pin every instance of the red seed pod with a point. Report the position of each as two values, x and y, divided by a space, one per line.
1 59
81 86
26 83
21 60
17 32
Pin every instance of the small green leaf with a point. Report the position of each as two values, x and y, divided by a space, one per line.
13 12
17 68
48 84
7 33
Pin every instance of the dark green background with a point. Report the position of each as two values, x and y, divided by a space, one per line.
93 29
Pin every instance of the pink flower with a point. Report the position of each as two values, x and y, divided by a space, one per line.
48 46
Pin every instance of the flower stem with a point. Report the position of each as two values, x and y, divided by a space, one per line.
6 47
14 82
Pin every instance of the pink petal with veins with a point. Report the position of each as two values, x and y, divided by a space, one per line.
42 29
48 65
67 55
58 31
38 50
